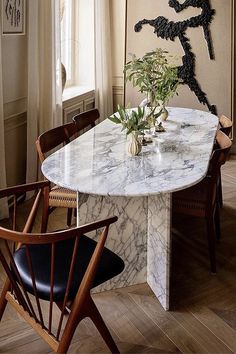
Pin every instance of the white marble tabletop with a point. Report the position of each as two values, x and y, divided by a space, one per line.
98 161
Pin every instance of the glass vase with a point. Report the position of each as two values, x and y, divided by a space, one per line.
164 114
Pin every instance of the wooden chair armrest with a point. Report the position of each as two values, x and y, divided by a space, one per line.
23 188
90 273
84 229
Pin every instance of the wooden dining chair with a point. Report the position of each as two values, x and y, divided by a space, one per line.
14 195
50 276
201 200
86 119
46 143
225 125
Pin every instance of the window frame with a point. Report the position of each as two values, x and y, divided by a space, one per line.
81 47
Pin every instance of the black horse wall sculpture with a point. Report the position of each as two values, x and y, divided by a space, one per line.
166 29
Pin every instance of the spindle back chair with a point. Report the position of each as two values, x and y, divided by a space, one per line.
55 137
61 268
226 126
45 144
41 190
201 200
86 119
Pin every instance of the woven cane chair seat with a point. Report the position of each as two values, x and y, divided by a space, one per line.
46 144
53 139
62 197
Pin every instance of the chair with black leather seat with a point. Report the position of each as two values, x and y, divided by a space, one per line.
225 125
46 142
87 119
201 200
59 267
40 189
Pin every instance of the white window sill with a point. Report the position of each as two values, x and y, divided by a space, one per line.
76 91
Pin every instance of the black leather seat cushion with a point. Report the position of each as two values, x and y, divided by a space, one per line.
110 265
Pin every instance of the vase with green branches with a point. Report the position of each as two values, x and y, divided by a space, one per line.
156 75
134 123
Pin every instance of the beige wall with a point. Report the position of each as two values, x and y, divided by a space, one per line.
118 48
14 51
15 142
214 76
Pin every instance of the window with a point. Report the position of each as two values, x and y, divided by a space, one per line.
77 41
67 32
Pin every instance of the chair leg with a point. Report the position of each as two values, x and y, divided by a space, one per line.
101 326
69 216
86 308
73 321
217 222
211 242
219 191
45 211
3 301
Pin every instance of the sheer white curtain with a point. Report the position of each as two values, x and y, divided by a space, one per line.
44 76
103 62
3 203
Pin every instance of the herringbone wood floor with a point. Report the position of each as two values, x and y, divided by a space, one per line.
203 315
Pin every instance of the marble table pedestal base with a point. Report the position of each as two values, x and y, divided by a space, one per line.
141 237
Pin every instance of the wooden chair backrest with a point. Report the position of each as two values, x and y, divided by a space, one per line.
55 137
219 155
86 119
226 125
42 190
31 309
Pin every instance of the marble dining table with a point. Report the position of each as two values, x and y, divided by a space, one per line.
138 189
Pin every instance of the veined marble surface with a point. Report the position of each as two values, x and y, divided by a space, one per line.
98 161
137 189
127 237
141 237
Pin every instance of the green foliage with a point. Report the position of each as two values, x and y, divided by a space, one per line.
130 120
154 74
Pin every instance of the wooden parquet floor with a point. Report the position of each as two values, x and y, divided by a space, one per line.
203 314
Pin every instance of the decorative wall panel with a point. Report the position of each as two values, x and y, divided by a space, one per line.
177 30
200 34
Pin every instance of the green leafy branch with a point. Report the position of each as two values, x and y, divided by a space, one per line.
131 120
154 74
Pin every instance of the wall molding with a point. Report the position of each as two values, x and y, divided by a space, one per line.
15 121
15 132
15 106
118 95
118 81
118 89
77 95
